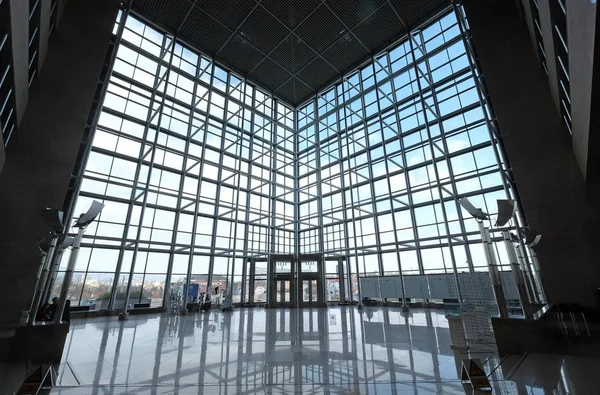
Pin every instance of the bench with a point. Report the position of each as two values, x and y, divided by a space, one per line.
80 308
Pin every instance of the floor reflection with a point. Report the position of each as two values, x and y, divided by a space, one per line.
335 350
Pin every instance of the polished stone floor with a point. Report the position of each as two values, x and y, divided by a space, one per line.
338 350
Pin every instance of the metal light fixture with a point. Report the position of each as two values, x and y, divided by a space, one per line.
476 213
506 210
532 237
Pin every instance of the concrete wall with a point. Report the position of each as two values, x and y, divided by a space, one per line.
548 38
19 20
45 9
555 198
42 153
581 31
593 167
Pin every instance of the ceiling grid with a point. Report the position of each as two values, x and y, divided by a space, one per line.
293 48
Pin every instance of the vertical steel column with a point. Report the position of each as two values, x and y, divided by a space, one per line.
319 199
252 281
351 208
493 269
342 190
211 264
296 176
167 289
424 107
411 204
201 129
516 269
160 110
370 167
272 176
446 156
134 190
248 187
340 265
237 215
389 184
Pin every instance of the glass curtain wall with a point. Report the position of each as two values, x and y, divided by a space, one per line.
199 169
385 154
195 168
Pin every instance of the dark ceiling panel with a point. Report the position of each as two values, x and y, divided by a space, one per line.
274 41
288 89
380 29
269 74
293 54
241 64
229 12
290 12
303 92
263 30
166 14
320 30
201 30
416 12
346 53
317 73
352 12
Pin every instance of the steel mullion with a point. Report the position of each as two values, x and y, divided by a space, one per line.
450 167
436 171
319 199
405 171
211 264
392 213
248 193
131 202
202 129
342 171
272 184
147 186
342 192
167 287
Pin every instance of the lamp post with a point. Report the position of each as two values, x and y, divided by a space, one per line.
81 224
54 220
480 216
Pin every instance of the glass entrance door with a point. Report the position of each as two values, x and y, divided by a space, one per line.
310 292
311 278
283 293
296 282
